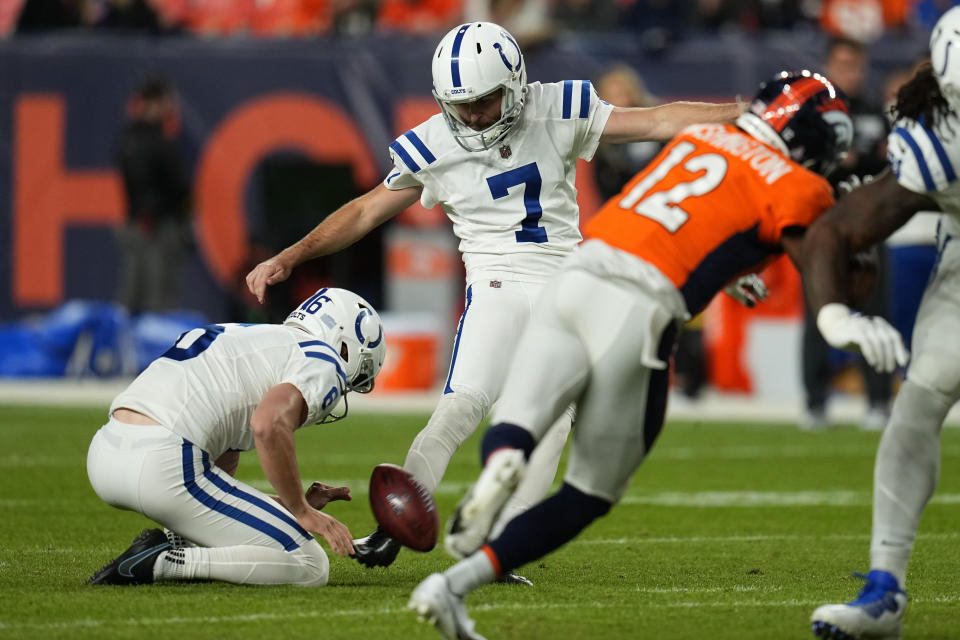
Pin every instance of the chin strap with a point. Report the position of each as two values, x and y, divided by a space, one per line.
331 417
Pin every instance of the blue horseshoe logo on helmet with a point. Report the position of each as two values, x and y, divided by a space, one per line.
363 340
499 48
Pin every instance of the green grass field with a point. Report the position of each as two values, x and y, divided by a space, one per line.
728 531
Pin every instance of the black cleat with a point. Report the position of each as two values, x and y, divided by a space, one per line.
514 578
135 565
376 550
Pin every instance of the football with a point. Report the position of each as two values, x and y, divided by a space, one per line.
403 507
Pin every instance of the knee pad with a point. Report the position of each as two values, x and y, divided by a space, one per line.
454 419
919 408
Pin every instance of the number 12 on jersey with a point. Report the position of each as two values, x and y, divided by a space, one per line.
664 206
529 176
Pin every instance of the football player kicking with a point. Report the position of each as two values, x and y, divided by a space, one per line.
719 200
500 158
924 153
172 444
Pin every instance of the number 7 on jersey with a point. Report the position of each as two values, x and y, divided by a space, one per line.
529 176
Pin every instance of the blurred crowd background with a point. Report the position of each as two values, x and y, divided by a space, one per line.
153 151
659 23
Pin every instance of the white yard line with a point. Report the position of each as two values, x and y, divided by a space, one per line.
320 612
702 499
594 541
750 538
712 406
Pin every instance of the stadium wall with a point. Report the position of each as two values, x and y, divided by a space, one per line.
334 101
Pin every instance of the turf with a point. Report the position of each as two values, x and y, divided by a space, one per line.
728 531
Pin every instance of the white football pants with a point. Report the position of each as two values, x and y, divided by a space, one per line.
596 341
495 315
908 459
243 535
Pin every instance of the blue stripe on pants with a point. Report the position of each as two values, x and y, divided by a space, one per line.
207 500
456 345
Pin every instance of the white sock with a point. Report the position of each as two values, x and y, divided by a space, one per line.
176 540
246 564
905 475
540 473
453 421
169 565
470 574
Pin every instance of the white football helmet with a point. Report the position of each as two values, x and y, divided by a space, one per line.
946 68
471 61
348 323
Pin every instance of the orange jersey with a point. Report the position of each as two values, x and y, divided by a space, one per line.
710 207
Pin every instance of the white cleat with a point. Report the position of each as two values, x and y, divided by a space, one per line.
434 602
876 614
477 512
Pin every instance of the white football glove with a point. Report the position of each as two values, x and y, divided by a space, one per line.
748 290
881 344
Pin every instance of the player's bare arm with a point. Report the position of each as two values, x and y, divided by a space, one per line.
339 230
858 221
661 123
278 415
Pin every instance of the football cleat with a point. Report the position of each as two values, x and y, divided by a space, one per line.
135 565
876 614
478 511
434 602
514 578
376 550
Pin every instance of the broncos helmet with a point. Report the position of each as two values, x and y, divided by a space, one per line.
803 115
350 325
945 34
471 61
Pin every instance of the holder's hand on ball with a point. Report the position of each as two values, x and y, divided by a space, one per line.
332 530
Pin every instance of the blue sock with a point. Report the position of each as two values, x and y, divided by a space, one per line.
546 526
506 435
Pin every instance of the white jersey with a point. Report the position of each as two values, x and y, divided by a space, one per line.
926 161
514 207
206 387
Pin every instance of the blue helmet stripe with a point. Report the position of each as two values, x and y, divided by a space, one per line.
567 98
918 154
455 56
404 156
942 155
422 148
585 99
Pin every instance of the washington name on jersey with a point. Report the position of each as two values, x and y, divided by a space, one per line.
514 206
711 206
206 387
